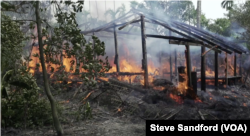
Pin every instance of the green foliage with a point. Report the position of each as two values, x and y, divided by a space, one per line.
11 45
220 26
84 112
22 105
67 38
119 11
181 10
240 14
227 4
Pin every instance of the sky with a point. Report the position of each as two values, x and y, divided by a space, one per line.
211 8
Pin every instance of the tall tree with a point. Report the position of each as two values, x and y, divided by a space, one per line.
118 12
57 124
227 4
11 44
66 37
240 14
203 49
198 13
220 26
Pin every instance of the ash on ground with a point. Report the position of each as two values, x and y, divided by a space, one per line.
120 108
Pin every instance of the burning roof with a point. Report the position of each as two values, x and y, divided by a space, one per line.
199 36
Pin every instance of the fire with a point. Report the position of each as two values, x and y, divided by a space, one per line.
35 62
226 97
244 104
210 73
176 98
104 78
158 88
182 86
197 100
210 98
133 67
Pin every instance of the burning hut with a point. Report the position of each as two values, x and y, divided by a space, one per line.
186 35
181 69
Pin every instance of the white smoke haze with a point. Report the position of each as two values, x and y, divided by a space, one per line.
97 8
132 43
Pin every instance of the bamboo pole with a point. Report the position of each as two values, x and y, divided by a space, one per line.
171 67
235 66
116 52
240 68
188 62
170 61
226 71
144 52
203 70
176 66
216 69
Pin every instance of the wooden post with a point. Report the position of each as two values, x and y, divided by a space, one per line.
188 62
176 67
116 62
203 69
226 70
190 91
235 67
144 52
94 46
240 68
161 65
170 61
194 83
216 70
171 67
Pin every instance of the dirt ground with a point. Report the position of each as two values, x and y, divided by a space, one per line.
118 110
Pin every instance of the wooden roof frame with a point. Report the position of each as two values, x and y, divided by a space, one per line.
191 34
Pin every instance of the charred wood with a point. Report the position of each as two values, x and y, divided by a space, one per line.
124 73
216 72
203 70
116 51
144 52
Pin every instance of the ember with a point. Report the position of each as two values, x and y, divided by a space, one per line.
197 100
226 97
176 98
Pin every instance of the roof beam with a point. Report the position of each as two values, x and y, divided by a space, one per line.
194 44
182 34
130 22
173 38
211 37
204 39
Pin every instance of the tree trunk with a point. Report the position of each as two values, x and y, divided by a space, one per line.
203 50
57 124
1 91
198 13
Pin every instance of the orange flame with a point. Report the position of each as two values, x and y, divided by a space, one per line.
226 97
176 98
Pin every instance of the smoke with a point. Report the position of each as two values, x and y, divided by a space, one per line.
98 8
131 46
236 28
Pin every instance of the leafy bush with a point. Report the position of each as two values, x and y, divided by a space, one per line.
21 103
